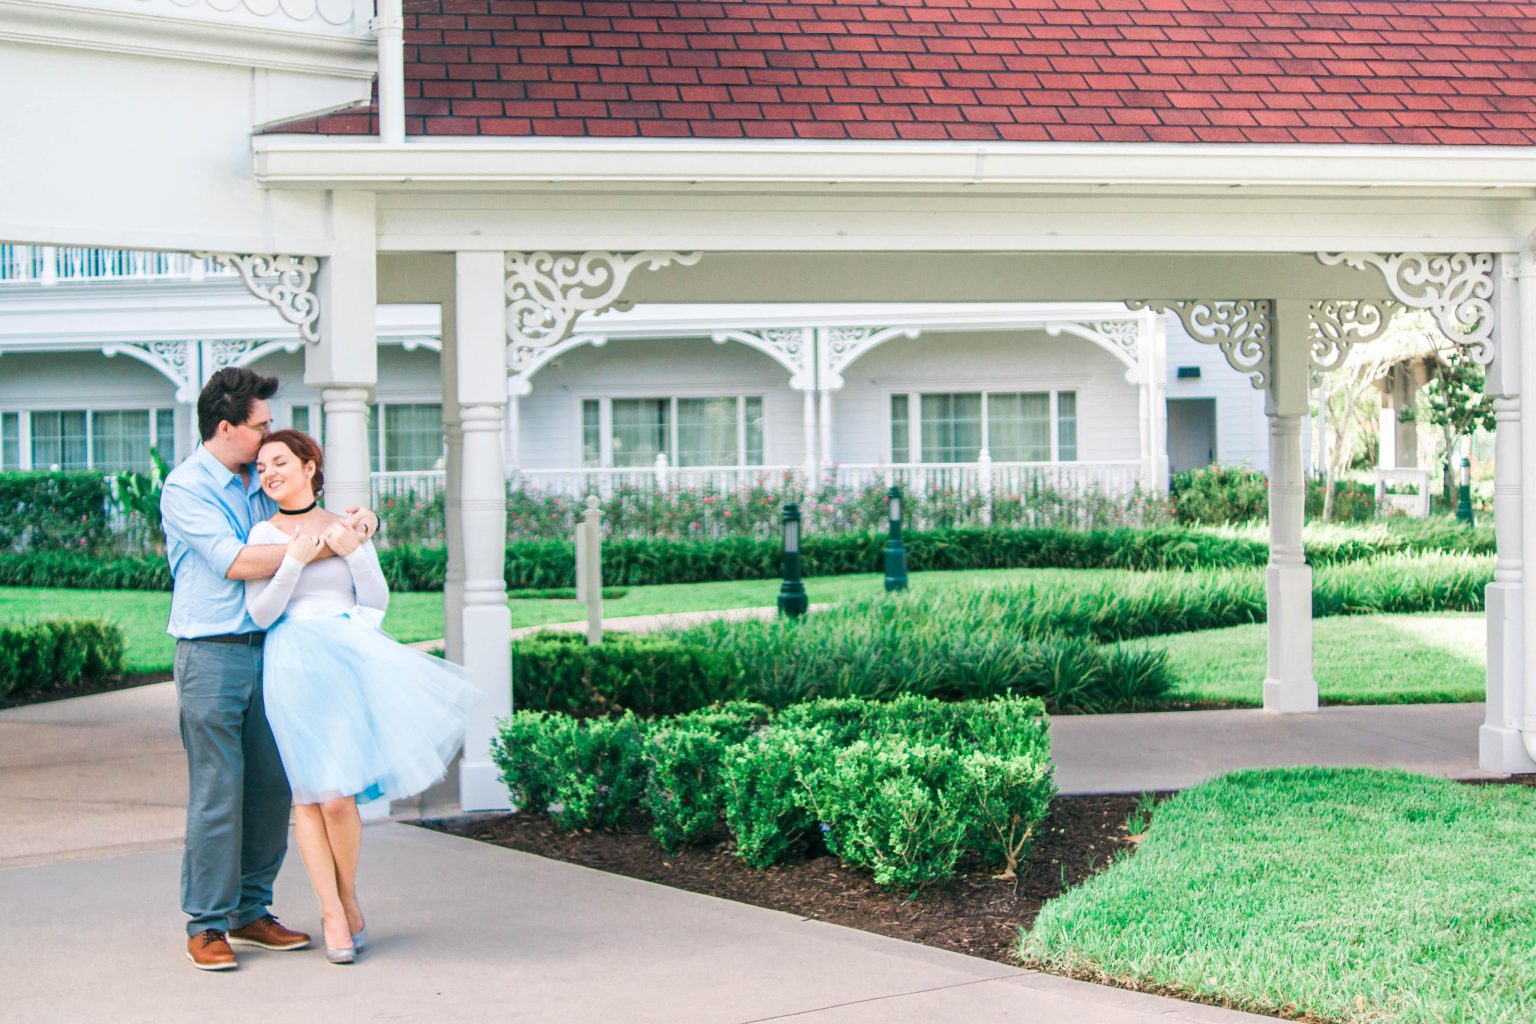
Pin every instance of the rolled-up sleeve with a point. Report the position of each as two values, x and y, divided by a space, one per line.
201 526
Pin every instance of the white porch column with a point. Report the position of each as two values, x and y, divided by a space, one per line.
453 472
343 364
1289 685
1155 337
808 415
826 432
1499 745
480 337
513 433
1386 424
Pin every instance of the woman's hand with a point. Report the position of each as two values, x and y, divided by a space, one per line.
305 548
341 538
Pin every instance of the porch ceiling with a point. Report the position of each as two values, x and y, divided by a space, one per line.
954 277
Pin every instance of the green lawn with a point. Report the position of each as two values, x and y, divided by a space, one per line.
1365 659
1346 895
142 614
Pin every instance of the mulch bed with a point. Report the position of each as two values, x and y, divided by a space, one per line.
20 698
973 914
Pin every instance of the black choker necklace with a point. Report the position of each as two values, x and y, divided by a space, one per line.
299 511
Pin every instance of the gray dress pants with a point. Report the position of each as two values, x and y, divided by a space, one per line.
238 799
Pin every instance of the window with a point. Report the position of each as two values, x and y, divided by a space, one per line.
629 433
1019 427
411 438
1066 426
298 418
951 428
120 440
642 429
10 440
59 440
111 440
901 429
1038 426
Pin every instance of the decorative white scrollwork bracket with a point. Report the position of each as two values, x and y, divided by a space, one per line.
177 361
1120 338
1456 287
547 291
791 347
286 283
838 347
1243 328
1337 325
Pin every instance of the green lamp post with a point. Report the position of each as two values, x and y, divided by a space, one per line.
792 597
1464 494
895 550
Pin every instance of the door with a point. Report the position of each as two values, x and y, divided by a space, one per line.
1191 433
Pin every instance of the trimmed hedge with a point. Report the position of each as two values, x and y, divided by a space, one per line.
647 674
56 656
551 565
903 788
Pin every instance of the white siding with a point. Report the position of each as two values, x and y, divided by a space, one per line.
1242 431
551 414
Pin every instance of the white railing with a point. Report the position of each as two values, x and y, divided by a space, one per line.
604 482
48 265
1405 489
1000 478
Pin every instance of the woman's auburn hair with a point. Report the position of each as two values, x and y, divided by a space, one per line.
305 449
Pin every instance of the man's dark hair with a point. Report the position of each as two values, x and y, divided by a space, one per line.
229 395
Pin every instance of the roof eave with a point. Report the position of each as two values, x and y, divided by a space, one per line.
338 162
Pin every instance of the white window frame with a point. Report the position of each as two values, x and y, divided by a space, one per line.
606 397
915 416
24 428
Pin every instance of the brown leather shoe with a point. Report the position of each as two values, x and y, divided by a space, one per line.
267 933
209 951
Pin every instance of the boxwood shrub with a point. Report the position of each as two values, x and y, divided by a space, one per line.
902 788
55 656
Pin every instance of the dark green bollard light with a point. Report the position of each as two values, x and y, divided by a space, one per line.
792 597
895 550
1464 495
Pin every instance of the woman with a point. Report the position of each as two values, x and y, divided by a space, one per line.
357 717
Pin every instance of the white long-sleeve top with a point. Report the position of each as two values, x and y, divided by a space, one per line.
323 588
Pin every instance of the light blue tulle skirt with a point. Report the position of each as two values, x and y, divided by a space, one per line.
357 714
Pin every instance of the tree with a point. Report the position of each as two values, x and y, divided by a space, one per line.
1349 388
1453 400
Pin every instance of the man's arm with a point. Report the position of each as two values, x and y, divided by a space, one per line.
256 562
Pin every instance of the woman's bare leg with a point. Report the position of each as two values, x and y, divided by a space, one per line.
310 829
344 830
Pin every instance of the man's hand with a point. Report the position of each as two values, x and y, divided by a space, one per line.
362 521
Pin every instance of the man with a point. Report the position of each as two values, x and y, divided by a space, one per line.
238 798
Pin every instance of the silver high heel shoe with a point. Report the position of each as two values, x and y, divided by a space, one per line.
345 955
360 939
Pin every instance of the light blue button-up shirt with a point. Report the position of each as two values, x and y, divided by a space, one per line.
208 514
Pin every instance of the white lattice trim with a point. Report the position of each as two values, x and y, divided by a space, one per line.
1456 287
547 291
1337 325
1243 328
286 283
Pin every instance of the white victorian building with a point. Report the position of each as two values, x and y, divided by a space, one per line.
1282 182
107 351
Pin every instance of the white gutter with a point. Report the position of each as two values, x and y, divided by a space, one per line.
332 162
1526 283
389 27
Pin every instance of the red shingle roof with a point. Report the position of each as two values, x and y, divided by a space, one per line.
1453 72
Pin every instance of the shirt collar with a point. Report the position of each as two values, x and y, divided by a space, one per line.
221 474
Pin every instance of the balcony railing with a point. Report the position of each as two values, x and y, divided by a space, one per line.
48 265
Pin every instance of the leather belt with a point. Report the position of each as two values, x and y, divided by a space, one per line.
245 639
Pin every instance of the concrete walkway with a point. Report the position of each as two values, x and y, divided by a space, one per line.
91 797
